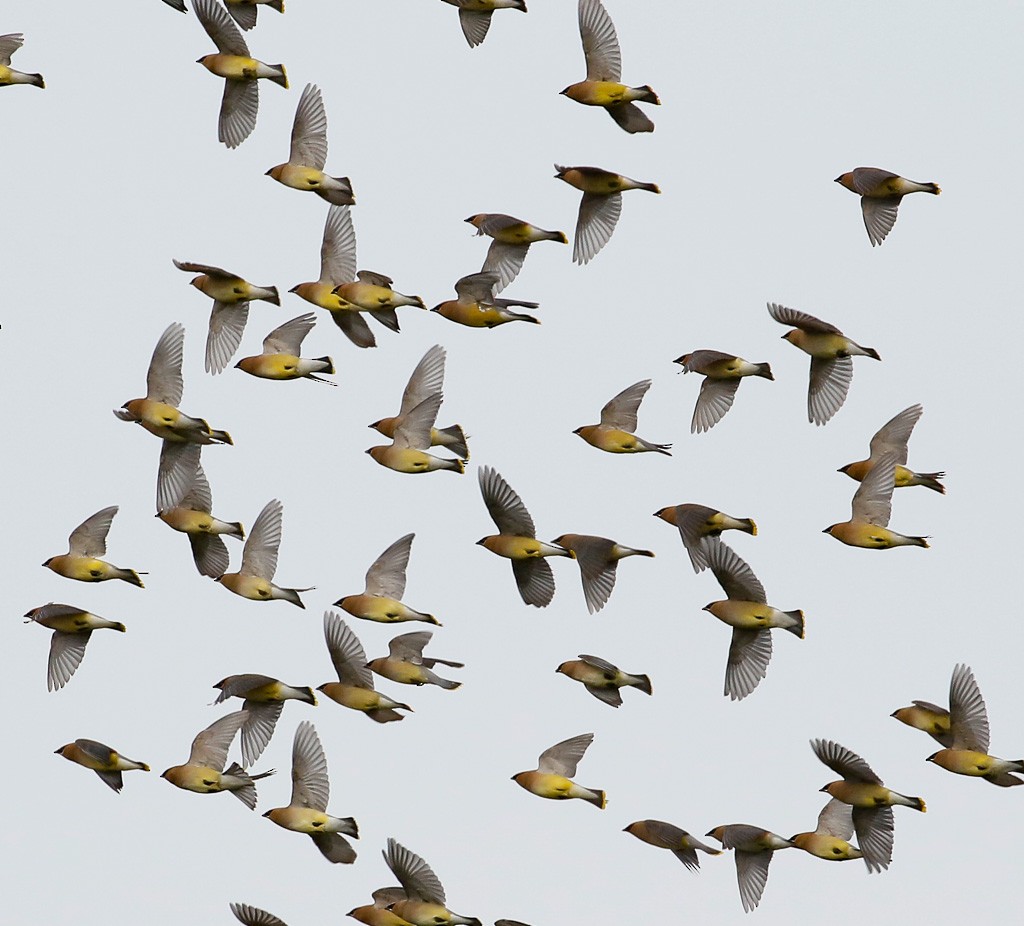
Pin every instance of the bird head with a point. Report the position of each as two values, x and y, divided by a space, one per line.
844 469
931 758
830 528
666 514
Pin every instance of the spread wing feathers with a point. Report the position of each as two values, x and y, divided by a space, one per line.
220 28
968 719
179 479
354 328
426 379
90 537
506 260
259 555
227 325
535 581
239 108
346 652
66 653
244 14
734 575
715 399
872 502
210 554
752 875
749 654
844 762
413 430
836 819
258 728
828 387
210 747
334 847
409 646
163 380
879 216
563 757
386 577
600 44
478 287
505 507
254 916
620 411
874 828
475 24
309 131
288 338
630 117
310 787
691 531
865 179
338 251
190 266
786 316
597 570
893 436
598 216
9 44
415 875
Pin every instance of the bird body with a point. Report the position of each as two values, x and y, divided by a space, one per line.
880 194
406 664
104 761
699 526
337 190
280 359
722 374
72 627
602 679
452 438
930 718
753 615
411 460
189 521
829 839
668 836
614 433
421 899
382 609
552 778
511 240
904 477
893 437
263 699
9 44
598 559
86 544
475 19
753 850
477 306
374 915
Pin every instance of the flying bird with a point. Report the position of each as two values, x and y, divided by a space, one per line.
410 440
475 16
932 719
311 790
304 169
872 802
86 544
106 762
700 527
830 839
832 356
244 12
614 433
600 206
555 769
231 296
406 664
517 540
377 913
598 559
604 72
385 585
668 836
602 679
254 916
421 900
254 579
747 611
892 437
880 194
72 627
511 240
280 358
263 700
478 307
9 44
722 374
753 849
240 71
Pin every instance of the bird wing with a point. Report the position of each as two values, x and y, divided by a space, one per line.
620 411
176 473
736 578
210 747
387 574
258 728
216 272
227 325
563 757
535 581
309 130
892 437
802 320
220 28
663 835
595 223
99 752
714 400
346 652
415 875
874 828
338 251
413 429
844 762
600 44
475 24
598 663
310 787
835 819
691 530
288 338
505 507
354 327
409 646
478 287
239 108
9 44
254 916
66 653
210 554
865 179
596 568
872 502
630 118
235 686
426 379
751 876
968 719
374 279
385 896
750 651
90 537
506 260
829 384
879 216
259 555
244 13
198 497
163 380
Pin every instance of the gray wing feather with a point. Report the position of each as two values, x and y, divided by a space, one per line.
334 847
734 575
288 338
259 556
596 569
865 179
210 554
968 719
9 44
239 108
258 728
506 260
163 380
176 475
600 44
749 654
66 653
715 399
210 747
797 319
620 411
752 876
893 436
413 430
828 387
354 327
310 786
243 13
387 574
478 287
254 916
505 507
190 266
426 379
220 28
836 819
563 757
879 216
227 325
630 118
874 827
90 537
475 24
872 502
338 251
415 875
844 762
535 581
409 646
595 223
346 652
309 131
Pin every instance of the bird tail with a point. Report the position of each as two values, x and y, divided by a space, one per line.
872 353
647 95
220 437
554 236
931 481
650 187
599 800
282 78
131 576
456 465
932 188
520 317
276 5
292 595
274 298
446 683
508 303
918 542
455 441
642 682
914 802
339 197
765 370
656 448
798 626
247 792
36 80
237 530
329 368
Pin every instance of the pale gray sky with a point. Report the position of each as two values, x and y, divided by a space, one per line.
115 169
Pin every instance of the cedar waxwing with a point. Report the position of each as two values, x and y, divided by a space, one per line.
377 913
9 44
602 679
512 238
475 16
722 374
700 527
307 810
600 207
240 71
71 628
892 438
667 836
354 688
193 516
231 296
872 803
829 839
204 773
968 722
618 422
254 916
243 12
753 849
158 414
931 718
421 899
263 700
880 194
304 169
598 559
280 358
832 356
478 307
747 611
372 292
604 72
385 585
517 540
427 379
87 542
104 761
259 561
871 509
406 664
411 437
555 768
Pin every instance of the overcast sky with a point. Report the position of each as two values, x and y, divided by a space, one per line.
115 169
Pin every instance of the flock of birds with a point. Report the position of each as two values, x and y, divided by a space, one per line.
859 803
